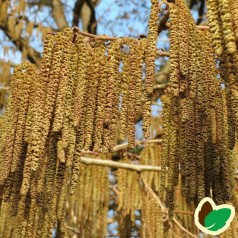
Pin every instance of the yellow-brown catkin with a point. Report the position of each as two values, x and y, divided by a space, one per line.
202 102
112 103
227 27
42 86
124 94
10 130
51 94
214 22
75 172
139 73
146 115
183 25
61 203
36 133
38 140
102 91
151 47
132 96
80 80
68 130
222 147
22 115
165 147
81 91
172 165
192 82
228 75
150 67
60 103
92 95
33 74
174 53
234 12
231 119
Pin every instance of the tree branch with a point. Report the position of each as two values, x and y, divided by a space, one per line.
162 24
58 14
113 164
32 55
76 11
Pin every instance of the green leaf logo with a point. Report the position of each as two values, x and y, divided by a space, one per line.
217 219
213 219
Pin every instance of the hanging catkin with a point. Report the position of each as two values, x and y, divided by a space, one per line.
214 22
150 66
165 147
62 88
16 114
91 97
111 112
141 47
102 88
132 95
227 28
126 77
233 4
174 56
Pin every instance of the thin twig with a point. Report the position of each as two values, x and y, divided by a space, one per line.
162 53
157 104
75 230
4 88
160 86
99 37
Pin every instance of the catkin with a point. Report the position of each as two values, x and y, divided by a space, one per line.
132 96
126 77
111 112
234 13
150 67
214 22
92 95
10 131
227 29
174 53
100 110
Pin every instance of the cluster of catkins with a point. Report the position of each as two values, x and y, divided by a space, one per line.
84 98
196 138
131 198
223 23
87 208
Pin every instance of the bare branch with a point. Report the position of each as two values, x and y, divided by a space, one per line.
21 43
76 11
58 14
113 164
